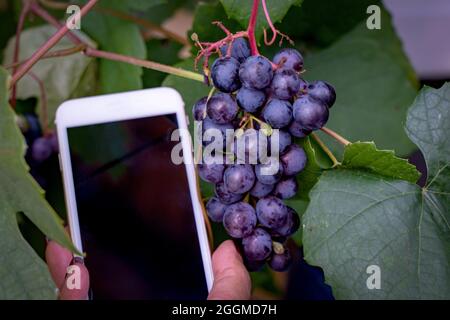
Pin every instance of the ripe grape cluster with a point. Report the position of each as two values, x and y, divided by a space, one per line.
253 92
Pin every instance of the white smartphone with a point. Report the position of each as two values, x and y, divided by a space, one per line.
134 213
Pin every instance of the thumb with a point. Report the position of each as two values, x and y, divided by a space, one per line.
231 279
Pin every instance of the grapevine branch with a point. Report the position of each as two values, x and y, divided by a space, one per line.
23 15
123 16
81 45
24 68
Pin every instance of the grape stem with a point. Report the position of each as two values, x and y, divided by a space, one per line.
54 54
325 149
91 52
251 28
336 136
23 15
275 31
81 45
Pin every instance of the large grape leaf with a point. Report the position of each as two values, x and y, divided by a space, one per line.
357 219
365 155
428 126
241 10
119 36
23 275
374 82
60 76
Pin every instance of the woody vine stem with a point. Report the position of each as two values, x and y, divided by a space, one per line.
206 49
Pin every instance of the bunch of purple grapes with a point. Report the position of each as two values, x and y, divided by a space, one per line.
268 95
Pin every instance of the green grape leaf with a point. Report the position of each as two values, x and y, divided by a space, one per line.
321 22
119 36
241 10
23 275
365 155
374 82
428 126
309 176
60 76
357 220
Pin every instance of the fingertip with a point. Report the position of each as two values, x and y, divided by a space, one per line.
76 282
231 278
58 259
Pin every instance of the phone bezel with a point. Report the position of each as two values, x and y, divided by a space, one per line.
127 106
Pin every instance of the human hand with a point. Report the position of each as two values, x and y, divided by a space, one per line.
231 279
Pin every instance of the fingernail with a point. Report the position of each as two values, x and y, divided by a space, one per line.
77 260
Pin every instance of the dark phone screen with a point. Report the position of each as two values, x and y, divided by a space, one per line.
135 211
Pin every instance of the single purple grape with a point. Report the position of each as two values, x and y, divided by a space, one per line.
256 72
225 74
310 113
293 160
240 50
250 99
284 140
285 84
269 172
239 220
222 108
253 265
199 109
291 225
211 172
41 149
289 58
286 188
272 212
260 190
297 130
53 137
278 113
258 245
225 196
280 262
215 209
322 91
239 178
